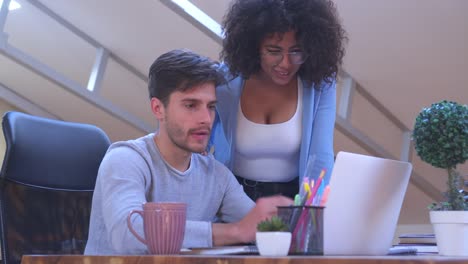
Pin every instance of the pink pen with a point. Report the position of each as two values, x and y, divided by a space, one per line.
324 199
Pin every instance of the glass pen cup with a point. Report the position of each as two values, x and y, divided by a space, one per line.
306 226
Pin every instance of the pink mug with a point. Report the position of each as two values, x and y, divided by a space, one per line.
164 226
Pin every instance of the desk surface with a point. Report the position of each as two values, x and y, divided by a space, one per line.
225 259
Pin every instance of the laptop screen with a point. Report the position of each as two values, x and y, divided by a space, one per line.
366 195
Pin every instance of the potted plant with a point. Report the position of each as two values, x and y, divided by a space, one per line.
441 139
273 237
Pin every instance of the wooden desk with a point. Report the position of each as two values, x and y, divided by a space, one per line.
224 259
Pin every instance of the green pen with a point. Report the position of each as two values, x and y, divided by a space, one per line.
297 200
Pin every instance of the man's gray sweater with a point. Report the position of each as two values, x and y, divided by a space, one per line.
134 172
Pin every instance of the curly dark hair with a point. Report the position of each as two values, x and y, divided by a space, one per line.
318 32
180 70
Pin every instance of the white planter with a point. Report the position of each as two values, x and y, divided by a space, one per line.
451 231
273 243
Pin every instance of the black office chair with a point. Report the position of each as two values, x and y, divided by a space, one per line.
46 185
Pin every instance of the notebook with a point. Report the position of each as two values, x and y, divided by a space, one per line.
366 195
223 250
417 239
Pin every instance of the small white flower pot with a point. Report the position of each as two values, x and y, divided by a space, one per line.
451 231
273 243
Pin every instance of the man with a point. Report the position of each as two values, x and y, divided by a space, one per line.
166 166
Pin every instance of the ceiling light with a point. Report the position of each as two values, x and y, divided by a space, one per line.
13 5
200 16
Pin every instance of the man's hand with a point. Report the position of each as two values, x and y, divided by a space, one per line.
244 230
265 208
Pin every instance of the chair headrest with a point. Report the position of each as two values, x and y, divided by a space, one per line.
50 153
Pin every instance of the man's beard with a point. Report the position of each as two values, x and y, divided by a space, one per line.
177 135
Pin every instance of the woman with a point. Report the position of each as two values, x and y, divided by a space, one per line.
276 114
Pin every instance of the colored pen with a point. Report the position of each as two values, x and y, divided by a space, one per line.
302 189
297 200
324 199
317 184
318 196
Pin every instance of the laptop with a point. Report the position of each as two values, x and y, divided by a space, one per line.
366 195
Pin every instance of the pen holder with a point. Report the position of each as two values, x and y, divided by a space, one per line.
306 226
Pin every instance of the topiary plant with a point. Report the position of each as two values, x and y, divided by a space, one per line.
273 224
441 139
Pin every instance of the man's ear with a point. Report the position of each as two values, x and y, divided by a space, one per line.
158 108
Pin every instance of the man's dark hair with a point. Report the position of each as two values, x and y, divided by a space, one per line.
318 32
180 70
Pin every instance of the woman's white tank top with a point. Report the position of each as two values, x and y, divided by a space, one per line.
269 152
